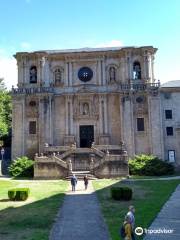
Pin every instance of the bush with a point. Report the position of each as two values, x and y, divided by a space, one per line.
149 165
22 167
18 194
121 193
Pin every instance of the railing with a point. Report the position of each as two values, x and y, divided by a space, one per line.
119 87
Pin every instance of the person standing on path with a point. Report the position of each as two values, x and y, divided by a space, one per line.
127 228
73 182
131 217
86 181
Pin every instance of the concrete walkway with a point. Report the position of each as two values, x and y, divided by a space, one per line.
168 218
80 217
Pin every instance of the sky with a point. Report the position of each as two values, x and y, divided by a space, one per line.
30 25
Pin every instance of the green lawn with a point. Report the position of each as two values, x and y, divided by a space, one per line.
32 219
148 198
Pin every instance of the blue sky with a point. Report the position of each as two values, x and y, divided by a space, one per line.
27 25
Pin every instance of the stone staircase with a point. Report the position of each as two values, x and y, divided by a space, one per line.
80 175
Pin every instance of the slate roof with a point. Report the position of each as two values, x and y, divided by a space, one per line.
171 84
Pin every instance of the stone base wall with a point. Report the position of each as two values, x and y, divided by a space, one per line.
112 169
49 170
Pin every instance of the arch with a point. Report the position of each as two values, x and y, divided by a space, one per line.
33 74
136 70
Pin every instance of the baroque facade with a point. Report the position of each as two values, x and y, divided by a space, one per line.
87 102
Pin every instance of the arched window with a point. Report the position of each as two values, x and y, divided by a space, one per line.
33 74
136 70
57 76
112 74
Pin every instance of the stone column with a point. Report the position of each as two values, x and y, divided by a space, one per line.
155 123
103 73
68 106
18 128
152 67
50 120
101 116
70 74
128 126
105 115
45 72
99 71
39 72
26 76
67 74
121 117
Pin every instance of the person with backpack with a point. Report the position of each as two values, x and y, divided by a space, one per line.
73 182
126 229
131 216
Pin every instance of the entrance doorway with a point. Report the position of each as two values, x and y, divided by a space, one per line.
86 135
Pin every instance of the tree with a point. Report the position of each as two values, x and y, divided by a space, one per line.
5 110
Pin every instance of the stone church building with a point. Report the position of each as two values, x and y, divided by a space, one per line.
87 109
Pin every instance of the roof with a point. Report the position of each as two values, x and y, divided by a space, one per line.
171 84
87 49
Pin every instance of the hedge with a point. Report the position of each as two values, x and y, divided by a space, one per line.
149 165
121 193
18 194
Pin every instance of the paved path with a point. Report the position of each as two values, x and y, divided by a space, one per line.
168 218
80 217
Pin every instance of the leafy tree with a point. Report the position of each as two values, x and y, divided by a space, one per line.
5 110
22 167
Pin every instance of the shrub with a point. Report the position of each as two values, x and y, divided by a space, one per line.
121 193
149 165
22 167
18 194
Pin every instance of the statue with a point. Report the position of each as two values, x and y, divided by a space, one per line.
70 166
33 74
112 74
137 71
85 108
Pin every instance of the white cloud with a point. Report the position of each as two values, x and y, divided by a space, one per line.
112 43
27 1
25 46
8 70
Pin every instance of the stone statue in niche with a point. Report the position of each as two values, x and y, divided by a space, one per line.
112 74
57 76
137 70
33 74
85 109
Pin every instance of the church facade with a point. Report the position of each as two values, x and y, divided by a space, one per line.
103 104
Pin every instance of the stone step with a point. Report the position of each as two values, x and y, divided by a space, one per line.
80 175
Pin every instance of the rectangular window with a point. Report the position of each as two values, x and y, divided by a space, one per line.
169 131
32 127
168 114
140 124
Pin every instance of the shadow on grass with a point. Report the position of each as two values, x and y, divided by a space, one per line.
148 199
31 221
5 200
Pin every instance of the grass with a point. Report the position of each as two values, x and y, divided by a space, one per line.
33 218
148 198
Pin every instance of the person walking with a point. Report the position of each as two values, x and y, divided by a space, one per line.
127 228
86 181
73 182
131 217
